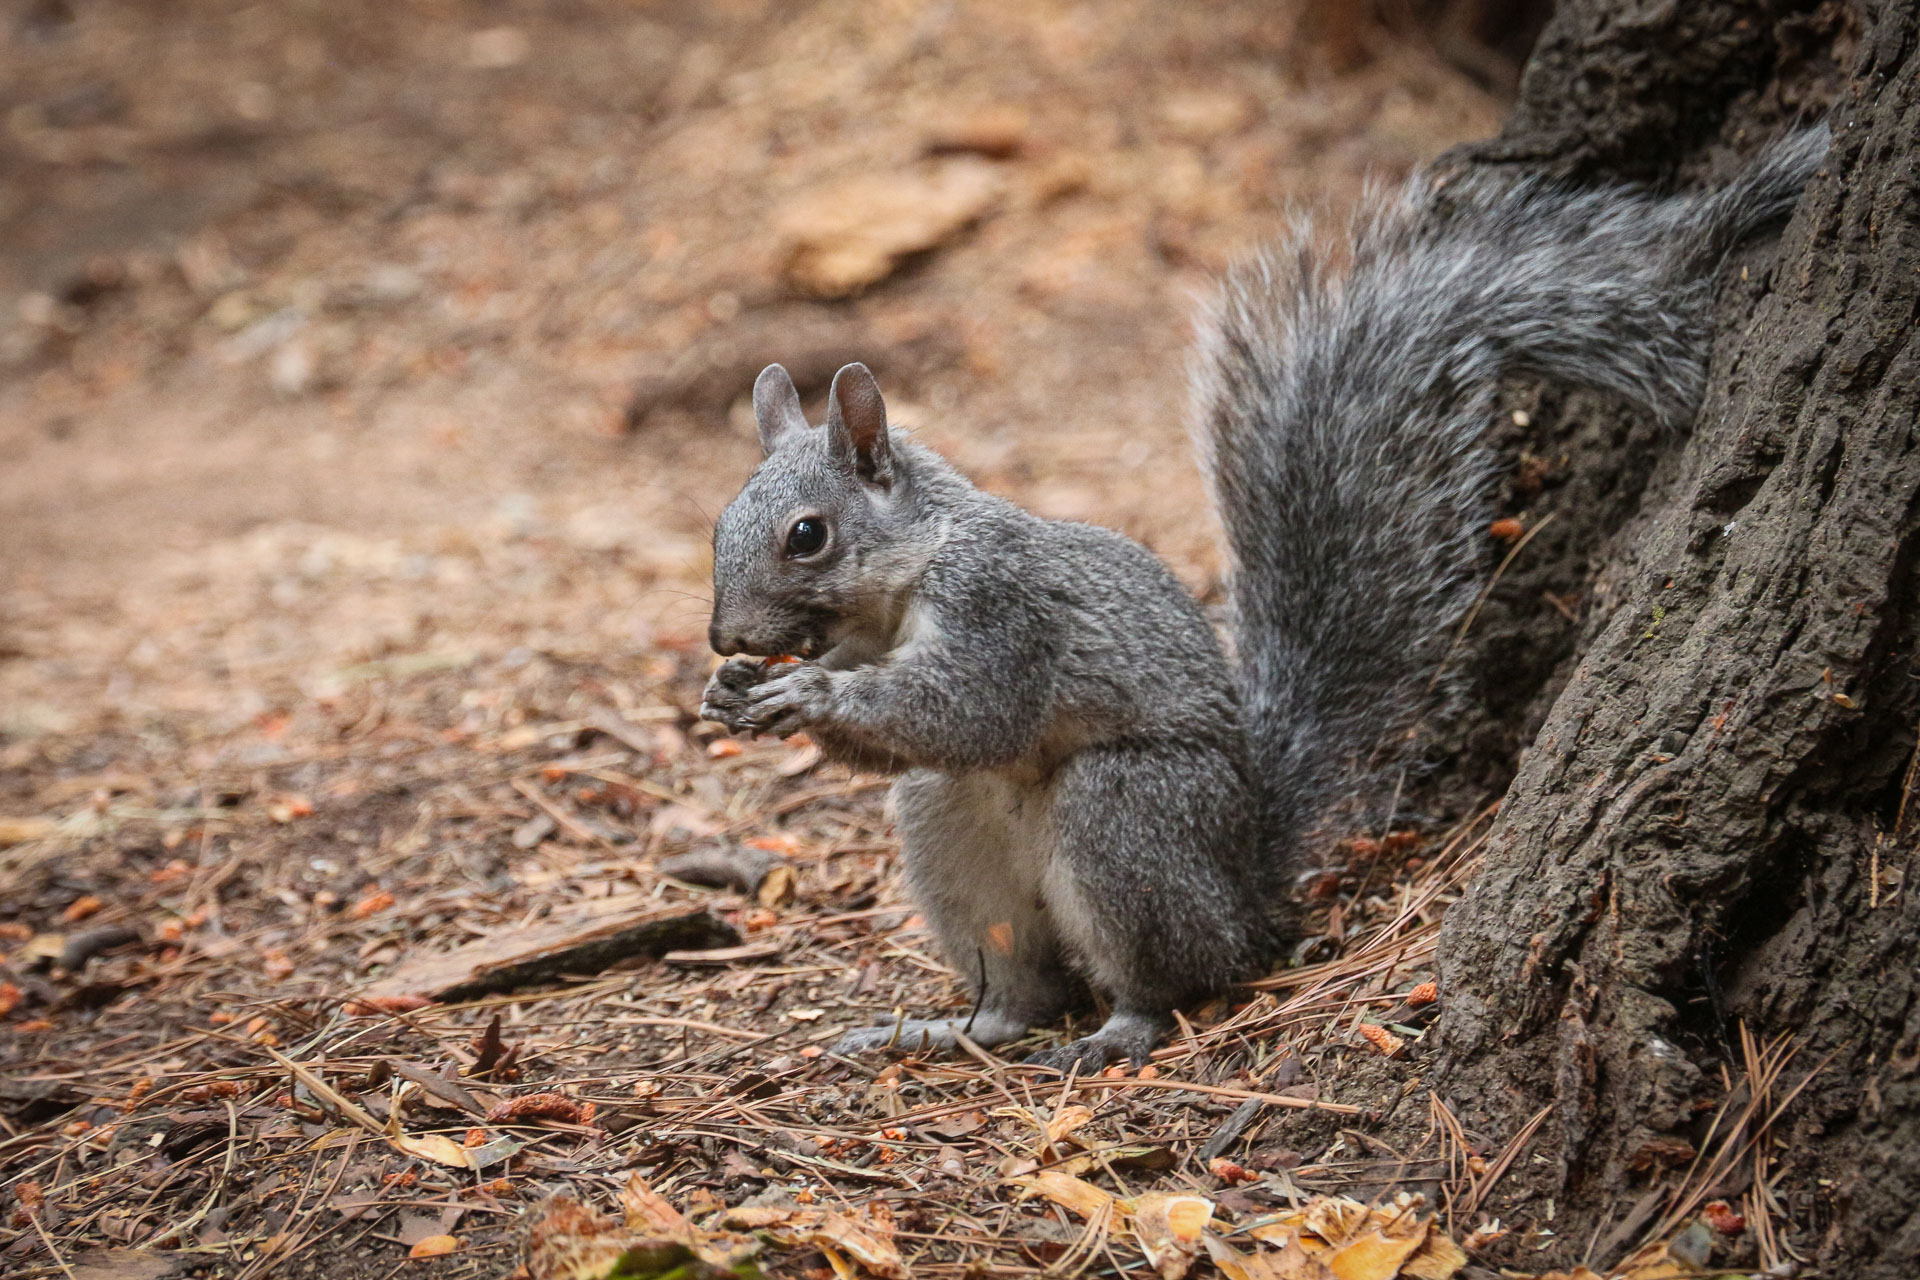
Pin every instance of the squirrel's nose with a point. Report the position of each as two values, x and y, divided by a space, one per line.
723 644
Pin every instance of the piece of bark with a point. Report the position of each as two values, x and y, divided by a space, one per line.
725 955
447 1091
34 1100
85 945
1229 1132
123 1264
722 867
580 942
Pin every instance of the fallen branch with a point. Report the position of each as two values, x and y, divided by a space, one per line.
573 947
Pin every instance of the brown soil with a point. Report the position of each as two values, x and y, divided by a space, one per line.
368 374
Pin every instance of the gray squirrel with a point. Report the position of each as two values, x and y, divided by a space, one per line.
1090 794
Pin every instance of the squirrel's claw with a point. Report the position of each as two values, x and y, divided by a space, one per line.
1087 1056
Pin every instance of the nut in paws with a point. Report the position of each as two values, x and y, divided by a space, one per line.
725 697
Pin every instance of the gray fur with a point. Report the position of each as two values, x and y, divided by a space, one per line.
1089 794
776 407
1340 415
1074 792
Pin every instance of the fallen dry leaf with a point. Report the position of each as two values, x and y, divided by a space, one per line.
1072 1194
1169 1227
957 1126
1065 1121
1380 1254
1686 1254
1437 1258
434 1147
433 1247
1289 1263
1354 1241
647 1210
81 907
777 886
869 1243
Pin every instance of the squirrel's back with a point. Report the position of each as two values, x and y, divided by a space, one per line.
1341 402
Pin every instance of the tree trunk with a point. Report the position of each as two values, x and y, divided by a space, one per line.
1712 828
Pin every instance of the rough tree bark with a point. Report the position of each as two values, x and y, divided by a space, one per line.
1712 826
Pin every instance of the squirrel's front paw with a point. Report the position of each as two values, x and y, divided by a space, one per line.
786 704
725 697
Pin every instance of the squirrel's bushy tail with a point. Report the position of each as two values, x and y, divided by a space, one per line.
1342 399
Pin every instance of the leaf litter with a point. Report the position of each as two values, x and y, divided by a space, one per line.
756 1148
331 947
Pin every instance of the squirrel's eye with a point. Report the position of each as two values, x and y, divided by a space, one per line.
806 537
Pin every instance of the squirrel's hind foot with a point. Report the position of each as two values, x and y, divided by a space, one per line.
925 1035
1125 1037
910 1035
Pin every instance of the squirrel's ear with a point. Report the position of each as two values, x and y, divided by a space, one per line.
776 406
857 425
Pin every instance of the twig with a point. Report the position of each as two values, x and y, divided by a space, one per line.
1223 1091
572 825
47 1240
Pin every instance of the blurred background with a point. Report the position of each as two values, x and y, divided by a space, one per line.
418 332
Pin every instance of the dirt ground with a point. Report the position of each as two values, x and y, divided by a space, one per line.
368 376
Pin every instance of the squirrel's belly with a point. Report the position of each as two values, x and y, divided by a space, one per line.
996 822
